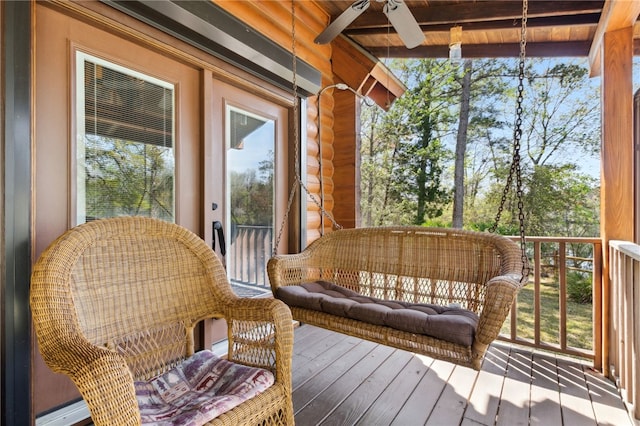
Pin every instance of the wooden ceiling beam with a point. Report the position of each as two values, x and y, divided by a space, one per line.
544 49
483 11
549 21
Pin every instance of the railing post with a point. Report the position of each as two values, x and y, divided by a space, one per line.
598 320
249 248
536 295
636 340
562 293
627 290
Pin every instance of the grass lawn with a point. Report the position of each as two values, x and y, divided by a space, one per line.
579 317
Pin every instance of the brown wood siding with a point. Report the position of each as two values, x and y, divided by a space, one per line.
273 19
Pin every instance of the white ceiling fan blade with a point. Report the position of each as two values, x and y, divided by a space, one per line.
342 21
404 23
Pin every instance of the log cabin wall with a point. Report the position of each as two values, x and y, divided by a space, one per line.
273 19
338 191
369 77
347 159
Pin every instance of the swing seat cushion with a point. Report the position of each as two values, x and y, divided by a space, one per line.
451 324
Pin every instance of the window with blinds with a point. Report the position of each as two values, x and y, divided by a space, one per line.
125 124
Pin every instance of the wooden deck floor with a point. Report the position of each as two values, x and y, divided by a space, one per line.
342 380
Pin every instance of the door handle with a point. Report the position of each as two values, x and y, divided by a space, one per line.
217 229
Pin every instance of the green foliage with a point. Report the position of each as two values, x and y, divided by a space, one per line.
252 194
437 223
421 153
580 287
408 178
561 201
128 178
408 157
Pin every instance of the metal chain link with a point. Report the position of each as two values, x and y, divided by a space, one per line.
515 163
296 166
297 181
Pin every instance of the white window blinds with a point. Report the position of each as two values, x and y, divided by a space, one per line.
125 155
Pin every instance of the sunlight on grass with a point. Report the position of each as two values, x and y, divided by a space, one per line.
579 317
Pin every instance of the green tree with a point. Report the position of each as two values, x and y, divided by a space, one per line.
378 159
128 178
561 201
408 167
252 199
461 144
415 157
482 88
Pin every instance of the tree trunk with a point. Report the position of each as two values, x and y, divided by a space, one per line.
423 164
387 188
461 146
371 184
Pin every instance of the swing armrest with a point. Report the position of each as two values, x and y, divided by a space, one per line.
501 293
290 269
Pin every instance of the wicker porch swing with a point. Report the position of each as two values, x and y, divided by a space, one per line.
440 292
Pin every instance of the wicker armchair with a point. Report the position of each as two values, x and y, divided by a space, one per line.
115 302
471 277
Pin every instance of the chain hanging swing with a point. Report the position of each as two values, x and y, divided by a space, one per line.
515 170
297 180
409 265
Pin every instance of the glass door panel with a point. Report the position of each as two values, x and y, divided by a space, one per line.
250 192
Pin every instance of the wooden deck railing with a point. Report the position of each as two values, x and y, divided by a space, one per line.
624 338
553 311
248 253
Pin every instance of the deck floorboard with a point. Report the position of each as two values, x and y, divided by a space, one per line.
395 396
545 392
341 380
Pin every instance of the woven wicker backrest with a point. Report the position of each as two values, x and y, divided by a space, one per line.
137 285
414 264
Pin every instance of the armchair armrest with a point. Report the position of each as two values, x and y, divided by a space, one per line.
261 334
104 381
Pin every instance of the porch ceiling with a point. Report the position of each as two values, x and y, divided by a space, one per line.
490 28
